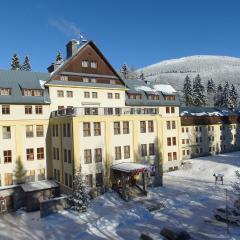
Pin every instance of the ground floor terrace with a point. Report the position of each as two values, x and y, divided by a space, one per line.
186 200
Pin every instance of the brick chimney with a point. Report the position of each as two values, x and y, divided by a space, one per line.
72 47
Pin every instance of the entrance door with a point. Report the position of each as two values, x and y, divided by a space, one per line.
3 205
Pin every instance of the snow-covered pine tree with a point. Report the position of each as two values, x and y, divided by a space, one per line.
210 92
59 57
20 173
199 99
26 66
124 71
218 97
15 64
210 86
187 91
80 197
234 96
227 101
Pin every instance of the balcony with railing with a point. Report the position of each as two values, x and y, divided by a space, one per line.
80 111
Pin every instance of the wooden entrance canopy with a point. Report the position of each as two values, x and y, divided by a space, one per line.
123 177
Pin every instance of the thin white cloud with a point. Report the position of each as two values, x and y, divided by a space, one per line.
66 27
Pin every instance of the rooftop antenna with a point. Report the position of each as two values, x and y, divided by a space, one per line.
82 39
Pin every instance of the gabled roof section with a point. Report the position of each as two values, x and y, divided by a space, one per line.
61 69
18 80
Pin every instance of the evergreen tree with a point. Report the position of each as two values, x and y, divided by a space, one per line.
80 198
141 76
199 99
26 66
227 102
59 57
218 97
210 86
234 96
15 65
132 73
124 71
20 173
187 91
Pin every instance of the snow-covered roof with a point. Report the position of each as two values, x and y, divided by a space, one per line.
164 88
39 185
130 167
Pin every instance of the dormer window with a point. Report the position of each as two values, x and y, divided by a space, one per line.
169 97
84 63
112 81
32 92
93 64
5 91
134 96
85 79
64 78
93 80
153 97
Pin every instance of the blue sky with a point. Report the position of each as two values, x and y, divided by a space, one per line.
138 33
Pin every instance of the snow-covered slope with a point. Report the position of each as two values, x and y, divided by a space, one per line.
173 72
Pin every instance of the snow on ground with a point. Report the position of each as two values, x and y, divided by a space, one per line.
189 196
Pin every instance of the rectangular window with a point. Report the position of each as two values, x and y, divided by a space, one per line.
173 125
86 94
97 128
174 141
69 156
117 96
150 126
69 94
98 155
54 153
38 109
172 109
60 93
70 181
183 152
93 80
84 63
39 130
28 109
30 154
7 155
112 81
66 179
125 127
126 152
167 109
29 131
5 91
40 153
5 109
169 156
64 130
6 131
168 125
182 130
86 129
142 126
169 141
151 149
117 129
118 154
183 141
85 79
65 155
41 174
94 95
99 179
68 126
93 64
174 156
110 95
89 180
8 179
87 156
143 150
